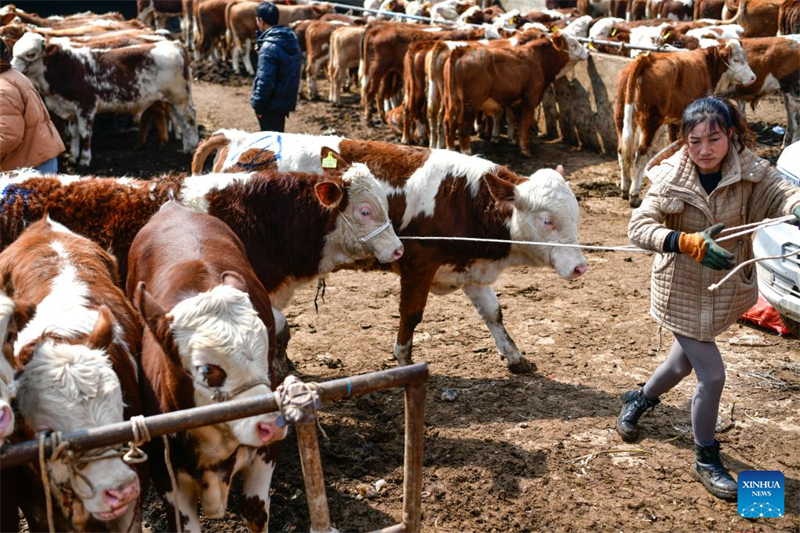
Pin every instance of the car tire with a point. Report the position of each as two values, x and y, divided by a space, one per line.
792 325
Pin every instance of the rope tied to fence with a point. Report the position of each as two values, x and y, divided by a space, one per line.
141 435
298 402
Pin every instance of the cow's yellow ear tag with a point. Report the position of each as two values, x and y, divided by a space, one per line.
614 32
329 161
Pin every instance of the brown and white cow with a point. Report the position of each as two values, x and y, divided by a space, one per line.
759 18
490 79
210 337
209 28
78 82
7 365
442 193
78 353
336 229
776 64
642 105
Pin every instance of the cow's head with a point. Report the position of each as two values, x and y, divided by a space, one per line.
567 43
364 227
29 54
544 209
68 385
222 344
735 60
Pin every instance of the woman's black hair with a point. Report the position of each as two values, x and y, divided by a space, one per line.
5 56
719 114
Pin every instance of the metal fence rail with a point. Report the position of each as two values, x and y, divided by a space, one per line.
394 14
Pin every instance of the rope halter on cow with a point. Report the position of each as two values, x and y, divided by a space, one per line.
218 394
74 461
383 227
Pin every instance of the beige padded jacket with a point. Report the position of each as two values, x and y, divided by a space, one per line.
28 137
749 191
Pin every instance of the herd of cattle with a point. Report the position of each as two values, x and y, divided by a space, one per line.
434 85
145 297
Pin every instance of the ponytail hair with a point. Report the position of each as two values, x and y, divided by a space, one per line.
720 113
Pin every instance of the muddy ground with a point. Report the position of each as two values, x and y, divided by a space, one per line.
512 452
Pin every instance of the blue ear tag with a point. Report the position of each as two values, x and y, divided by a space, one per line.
280 421
329 161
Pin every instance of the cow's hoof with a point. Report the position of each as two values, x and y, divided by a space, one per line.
523 366
527 154
635 201
625 195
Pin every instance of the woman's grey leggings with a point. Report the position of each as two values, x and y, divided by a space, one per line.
704 357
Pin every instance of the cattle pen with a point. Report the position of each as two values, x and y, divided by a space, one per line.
412 378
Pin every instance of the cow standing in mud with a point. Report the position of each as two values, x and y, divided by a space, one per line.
437 193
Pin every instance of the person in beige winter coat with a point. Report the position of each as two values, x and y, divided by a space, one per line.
28 137
705 182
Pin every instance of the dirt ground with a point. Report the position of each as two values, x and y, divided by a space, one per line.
512 452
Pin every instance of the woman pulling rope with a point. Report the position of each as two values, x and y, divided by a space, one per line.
707 180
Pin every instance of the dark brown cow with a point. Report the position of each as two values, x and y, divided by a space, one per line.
708 9
210 337
444 193
158 10
209 28
490 79
78 356
789 18
382 52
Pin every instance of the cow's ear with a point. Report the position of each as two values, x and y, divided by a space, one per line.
559 43
332 162
103 332
561 171
8 18
500 189
50 49
329 193
234 279
156 319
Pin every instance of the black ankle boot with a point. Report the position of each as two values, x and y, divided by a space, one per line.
634 404
712 473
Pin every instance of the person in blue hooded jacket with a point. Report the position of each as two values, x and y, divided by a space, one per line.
278 76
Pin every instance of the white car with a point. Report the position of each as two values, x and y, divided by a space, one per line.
779 279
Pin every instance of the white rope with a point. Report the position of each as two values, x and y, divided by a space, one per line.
715 286
755 226
628 248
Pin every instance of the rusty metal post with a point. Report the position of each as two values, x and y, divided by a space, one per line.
308 446
412 467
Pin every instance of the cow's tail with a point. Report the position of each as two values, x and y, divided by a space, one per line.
228 27
205 148
739 14
628 102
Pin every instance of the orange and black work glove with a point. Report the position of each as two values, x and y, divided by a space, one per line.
702 248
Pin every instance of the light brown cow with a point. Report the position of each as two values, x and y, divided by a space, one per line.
210 28
643 105
240 33
345 56
318 50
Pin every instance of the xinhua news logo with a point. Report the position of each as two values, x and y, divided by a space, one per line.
761 494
